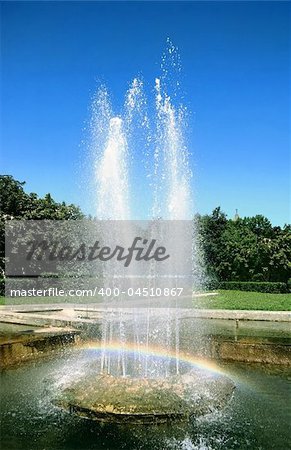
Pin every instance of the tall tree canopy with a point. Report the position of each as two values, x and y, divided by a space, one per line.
244 249
15 203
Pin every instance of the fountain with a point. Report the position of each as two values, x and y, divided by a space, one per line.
140 374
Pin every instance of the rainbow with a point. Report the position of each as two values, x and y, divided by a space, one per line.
154 351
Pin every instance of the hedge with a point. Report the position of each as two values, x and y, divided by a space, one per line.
255 286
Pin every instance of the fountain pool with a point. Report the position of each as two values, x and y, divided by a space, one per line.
257 416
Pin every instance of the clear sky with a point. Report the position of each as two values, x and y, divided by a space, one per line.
236 63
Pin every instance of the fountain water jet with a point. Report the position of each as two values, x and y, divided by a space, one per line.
172 193
111 174
136 386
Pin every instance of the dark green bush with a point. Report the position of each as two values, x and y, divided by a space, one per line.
2 287
258 277
211 284
255 286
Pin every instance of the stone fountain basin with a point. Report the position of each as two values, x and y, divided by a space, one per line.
107 398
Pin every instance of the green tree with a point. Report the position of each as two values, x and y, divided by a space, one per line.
13 199
247 249
211 229
15 203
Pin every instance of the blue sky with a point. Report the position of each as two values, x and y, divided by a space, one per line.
236 64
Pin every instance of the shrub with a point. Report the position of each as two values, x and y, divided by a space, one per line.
258 277
2 286
255 286
211 284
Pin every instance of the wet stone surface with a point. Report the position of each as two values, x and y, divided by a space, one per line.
116 399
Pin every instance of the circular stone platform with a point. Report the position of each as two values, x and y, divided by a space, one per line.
139 400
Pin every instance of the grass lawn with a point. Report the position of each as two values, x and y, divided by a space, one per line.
245 300
44 301
224 300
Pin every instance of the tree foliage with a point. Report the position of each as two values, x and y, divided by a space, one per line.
15 203
245 249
